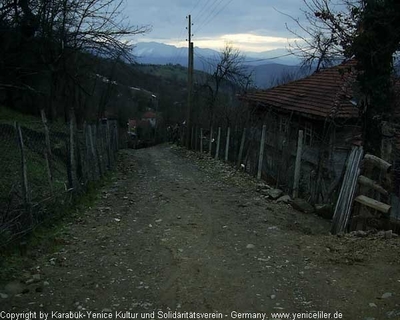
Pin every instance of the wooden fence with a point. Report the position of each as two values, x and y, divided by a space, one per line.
45 164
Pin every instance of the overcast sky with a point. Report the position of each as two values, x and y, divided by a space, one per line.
251 25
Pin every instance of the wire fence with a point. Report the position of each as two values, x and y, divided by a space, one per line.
44 165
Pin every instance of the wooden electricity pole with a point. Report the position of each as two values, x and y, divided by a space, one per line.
190 84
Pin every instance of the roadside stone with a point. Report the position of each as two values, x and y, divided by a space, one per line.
284 199
262 186
302 205
272 296
372 305
250 246
26 276
3 295
388 234
274 193
36 277
394 314
387 295
14 288
359 233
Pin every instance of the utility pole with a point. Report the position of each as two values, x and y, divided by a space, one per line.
190 84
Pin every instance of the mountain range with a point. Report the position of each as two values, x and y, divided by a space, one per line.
268 68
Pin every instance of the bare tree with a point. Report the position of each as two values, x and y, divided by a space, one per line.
60 33
326 35
228 70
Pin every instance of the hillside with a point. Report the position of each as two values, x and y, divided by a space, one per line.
170 62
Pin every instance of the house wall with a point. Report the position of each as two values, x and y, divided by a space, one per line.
325 150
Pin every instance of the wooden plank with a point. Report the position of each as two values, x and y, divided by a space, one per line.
370 184
298 165
228 135
218 142
211 141
261 155
201 140
377 162
374 204
241 148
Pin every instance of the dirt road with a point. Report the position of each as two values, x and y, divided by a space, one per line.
177 233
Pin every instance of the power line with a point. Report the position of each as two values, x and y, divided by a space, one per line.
178 55
272 58
214 16
195 6
212 8
202 11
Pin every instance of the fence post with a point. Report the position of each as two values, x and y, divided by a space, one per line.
261 156
218 141
96 132
201 140
211 138
116 135
241 148
24 173
47 154
228 135
93 152
192 139
72 161
298 165
196 139
108 146
235 144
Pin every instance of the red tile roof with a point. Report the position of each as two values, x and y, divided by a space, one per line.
324 93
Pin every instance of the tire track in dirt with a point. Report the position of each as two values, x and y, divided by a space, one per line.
171 233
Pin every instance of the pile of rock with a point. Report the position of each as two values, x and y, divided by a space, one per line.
28 283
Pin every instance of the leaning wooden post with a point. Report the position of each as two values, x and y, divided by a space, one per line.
228 135
241 148
24 172
261 155
211 141
298 165
218 141
201 140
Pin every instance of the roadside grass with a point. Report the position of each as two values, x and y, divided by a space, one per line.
50 235
50 210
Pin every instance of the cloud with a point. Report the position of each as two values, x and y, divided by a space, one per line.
244 42
251 25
